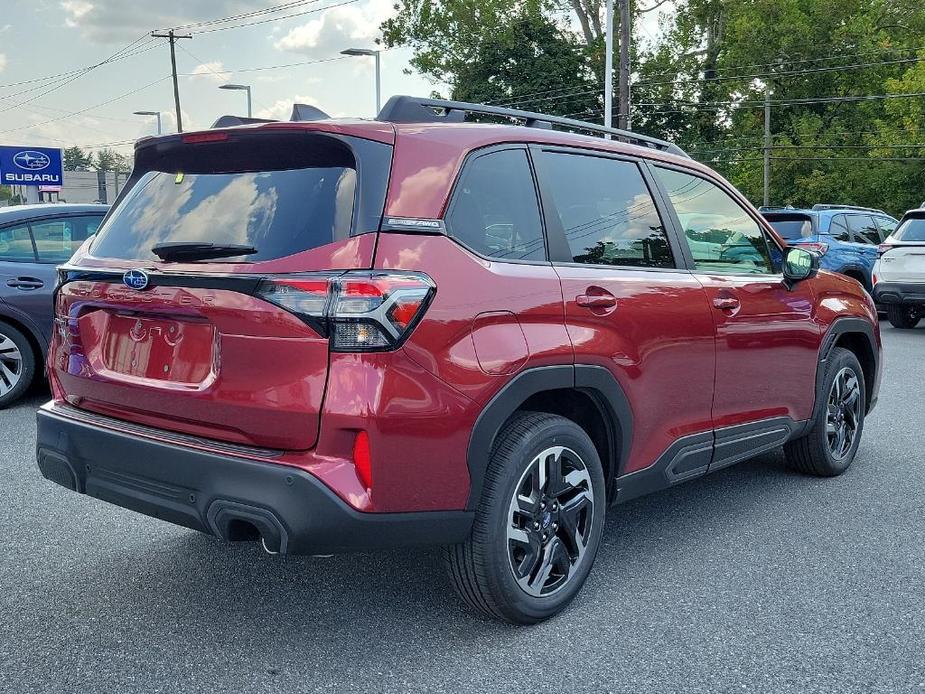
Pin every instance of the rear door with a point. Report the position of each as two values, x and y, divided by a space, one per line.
865 237
766 339
29 252
629 306
199 347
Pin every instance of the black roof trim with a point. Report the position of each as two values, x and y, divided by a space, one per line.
409 109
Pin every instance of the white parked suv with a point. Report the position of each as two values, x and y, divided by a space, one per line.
899 273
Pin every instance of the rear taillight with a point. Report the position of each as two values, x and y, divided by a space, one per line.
816 247
883 248
360 311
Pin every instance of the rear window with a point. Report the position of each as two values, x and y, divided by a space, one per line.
912 229
277 212
280 192
792 227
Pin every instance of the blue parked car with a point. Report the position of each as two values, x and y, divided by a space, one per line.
33 240
845 236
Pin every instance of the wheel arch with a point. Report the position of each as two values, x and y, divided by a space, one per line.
36 341
857 336
588 395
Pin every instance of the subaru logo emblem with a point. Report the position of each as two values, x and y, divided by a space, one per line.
31 161
136 279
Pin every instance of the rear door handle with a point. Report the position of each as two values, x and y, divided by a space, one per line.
25 283
725 303
596 300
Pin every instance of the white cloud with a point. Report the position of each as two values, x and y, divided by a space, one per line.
2 62
106 21
282 108
213 71
338 28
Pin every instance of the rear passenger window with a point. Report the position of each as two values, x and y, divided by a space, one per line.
56 240
606 210
887 226
16 244
495 210
863 229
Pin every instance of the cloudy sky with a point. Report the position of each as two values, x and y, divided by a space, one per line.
39 38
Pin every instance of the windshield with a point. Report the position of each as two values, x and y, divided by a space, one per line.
277 212
792 227
912 229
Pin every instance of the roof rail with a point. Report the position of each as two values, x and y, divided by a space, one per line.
828 206
410 109
772 208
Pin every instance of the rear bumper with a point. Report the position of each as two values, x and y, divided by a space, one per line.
224 495
899 293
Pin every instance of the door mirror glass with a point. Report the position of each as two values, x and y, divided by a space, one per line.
799 264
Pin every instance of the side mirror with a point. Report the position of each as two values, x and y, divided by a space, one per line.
799 264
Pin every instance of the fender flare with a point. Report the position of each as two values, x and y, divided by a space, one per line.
596 381
839 327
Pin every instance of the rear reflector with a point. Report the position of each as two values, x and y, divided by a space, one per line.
362 459
360 311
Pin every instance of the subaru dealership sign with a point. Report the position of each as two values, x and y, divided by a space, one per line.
30 166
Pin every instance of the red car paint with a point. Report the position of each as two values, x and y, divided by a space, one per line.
227 367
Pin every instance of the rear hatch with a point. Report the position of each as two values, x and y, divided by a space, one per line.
902 255
223 342
791 226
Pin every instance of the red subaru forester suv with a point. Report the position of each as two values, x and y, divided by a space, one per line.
339 335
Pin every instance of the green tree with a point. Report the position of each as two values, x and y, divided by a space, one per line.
75 159
109 160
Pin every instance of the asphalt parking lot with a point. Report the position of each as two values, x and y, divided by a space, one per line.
754 579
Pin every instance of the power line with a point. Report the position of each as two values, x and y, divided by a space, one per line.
243 15
58 84
88 108
275 19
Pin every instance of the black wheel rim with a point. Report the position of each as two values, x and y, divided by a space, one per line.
549 521
843 415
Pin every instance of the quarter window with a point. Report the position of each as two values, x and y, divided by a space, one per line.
495 211
722 236
607 212
838 228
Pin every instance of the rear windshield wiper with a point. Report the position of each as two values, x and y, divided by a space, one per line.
196 250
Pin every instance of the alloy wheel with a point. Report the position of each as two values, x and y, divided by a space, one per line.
10 364
549 521
843 414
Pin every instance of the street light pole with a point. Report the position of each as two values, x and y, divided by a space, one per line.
151 113
243 88
374 54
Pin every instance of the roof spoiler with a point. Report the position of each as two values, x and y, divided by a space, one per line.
300 112
409 109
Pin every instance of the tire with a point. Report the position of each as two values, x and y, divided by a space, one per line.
902 317
17 364
482 569
821 452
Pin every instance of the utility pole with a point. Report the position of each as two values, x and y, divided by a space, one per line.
173 37
767 145
608 68
624 119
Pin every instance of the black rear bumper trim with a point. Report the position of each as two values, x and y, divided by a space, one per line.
294 511
899 293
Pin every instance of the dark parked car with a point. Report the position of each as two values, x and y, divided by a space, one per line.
33 240
345 335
